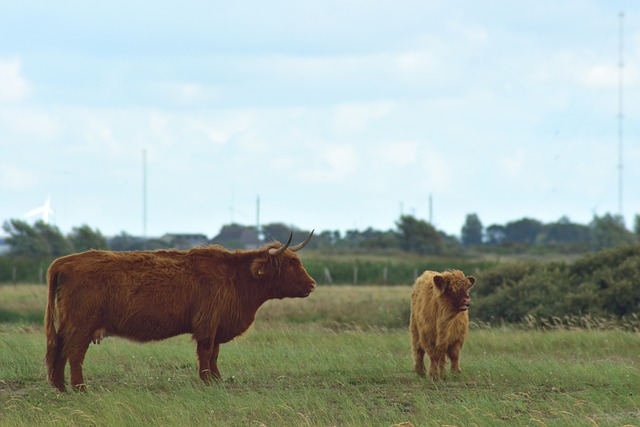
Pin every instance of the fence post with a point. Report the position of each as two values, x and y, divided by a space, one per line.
13 274
327 275
385 274
355 275
40 275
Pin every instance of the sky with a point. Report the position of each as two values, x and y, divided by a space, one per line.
337 115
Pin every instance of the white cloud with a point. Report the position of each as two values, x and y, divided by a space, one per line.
13 86
14 178
220 128
415 62
435 172
336 163
513 164
28 123
357 117
99 136
397 153
601 75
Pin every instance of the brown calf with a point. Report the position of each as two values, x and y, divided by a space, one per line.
439 319
210 293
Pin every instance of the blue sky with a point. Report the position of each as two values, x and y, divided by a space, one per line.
337 114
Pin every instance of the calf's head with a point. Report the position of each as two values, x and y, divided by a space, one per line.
280 269
453 289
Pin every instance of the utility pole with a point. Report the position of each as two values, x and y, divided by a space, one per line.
144 197
620 112
258 231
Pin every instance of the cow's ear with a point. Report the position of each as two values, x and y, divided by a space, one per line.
440 283
259 268
472 281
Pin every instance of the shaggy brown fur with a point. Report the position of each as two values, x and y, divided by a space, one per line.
210 293
439 319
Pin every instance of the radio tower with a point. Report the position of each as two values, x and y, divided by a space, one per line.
620 112
144 196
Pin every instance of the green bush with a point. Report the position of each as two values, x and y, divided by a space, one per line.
603 284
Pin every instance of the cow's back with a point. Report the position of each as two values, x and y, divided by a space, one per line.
139 295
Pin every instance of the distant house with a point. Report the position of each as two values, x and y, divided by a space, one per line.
185 241
236 236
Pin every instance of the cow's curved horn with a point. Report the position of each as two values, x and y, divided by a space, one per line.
278 251
303 244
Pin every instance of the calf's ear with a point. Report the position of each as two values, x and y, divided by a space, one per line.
440 283
472 281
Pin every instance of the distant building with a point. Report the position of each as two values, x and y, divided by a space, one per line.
185 241
235 236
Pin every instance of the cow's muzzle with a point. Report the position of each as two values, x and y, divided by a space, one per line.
308 289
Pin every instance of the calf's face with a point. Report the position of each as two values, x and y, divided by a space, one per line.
454 291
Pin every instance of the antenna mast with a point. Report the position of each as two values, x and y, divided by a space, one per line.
620 112
258 230
144 195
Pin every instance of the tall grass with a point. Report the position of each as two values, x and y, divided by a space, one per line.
299 365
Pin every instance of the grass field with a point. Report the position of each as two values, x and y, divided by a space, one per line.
339 357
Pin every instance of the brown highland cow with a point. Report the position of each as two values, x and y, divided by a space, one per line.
211 293
439 319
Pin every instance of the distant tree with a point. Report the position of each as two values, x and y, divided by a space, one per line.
451 245
609 231
326 239
523 231
277 231
376 239
636 226
84 238
126 242
565 232
418 236
37 241
57 244
472 231
24 240
495 234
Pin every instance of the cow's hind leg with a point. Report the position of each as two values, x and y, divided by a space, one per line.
77 345
205 352
57 360
213 362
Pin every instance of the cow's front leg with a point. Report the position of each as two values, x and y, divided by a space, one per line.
213 362
205 352
454 356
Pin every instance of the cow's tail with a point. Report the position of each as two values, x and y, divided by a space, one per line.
53 347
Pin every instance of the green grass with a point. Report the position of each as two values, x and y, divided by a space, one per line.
300 365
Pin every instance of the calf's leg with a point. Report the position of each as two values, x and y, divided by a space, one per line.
436 365
418 361
416 349
454 356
